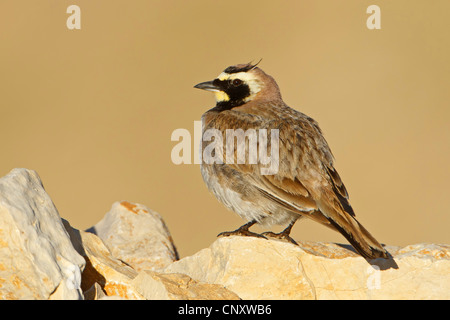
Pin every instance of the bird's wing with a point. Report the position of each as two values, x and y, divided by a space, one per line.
314 170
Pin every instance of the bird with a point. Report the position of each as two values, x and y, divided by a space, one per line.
306 183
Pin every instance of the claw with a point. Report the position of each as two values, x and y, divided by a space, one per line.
281 235
238 232
242 231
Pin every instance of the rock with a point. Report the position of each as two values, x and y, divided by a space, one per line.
37 259
104 275
137 236
175 286
95 292
256 268
43 257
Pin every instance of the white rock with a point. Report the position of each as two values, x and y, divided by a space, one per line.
174 286
136 235
37 259
95 292
107 277
104 275
43 257
268 269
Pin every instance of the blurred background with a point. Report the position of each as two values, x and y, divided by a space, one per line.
93 110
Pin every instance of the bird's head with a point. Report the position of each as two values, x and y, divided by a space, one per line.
239 84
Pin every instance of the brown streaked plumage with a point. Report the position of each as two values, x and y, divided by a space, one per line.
306 183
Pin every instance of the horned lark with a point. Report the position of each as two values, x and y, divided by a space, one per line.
306 183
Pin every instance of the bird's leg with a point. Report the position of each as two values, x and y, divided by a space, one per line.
242 231
283 234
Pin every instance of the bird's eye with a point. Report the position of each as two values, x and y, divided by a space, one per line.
237 82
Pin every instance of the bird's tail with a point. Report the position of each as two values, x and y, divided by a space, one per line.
361 240
354 232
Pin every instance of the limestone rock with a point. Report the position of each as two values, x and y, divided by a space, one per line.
159 286
268 269
137 236
95 292
43 257
104 275
37 259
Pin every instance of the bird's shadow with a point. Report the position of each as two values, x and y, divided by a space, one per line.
381 263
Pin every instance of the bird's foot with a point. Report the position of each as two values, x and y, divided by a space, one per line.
282 236
242 231
245 233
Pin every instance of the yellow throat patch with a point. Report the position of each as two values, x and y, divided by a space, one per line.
221 96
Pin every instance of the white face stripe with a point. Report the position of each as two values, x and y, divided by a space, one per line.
254 83
244 76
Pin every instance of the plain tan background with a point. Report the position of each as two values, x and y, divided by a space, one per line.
92 110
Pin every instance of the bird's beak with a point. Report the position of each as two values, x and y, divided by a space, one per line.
208 86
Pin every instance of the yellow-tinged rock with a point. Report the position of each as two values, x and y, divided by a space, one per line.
113 276
175 286
137 236
268 269
37 259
